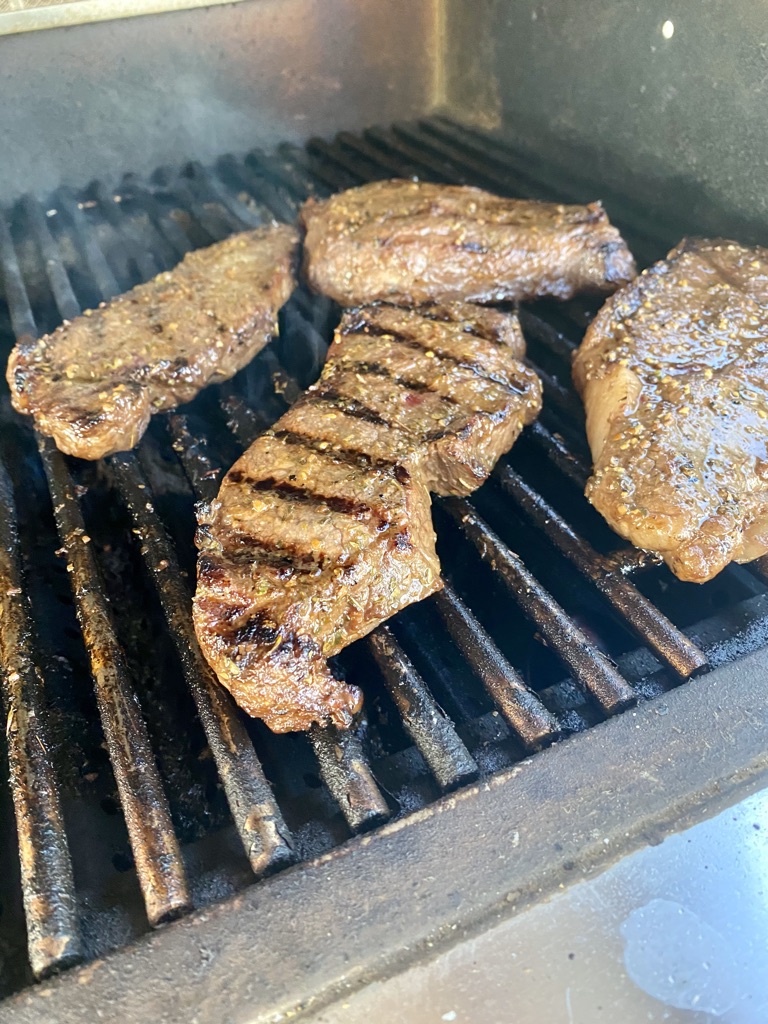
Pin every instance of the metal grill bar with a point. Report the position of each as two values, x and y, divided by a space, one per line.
589 665
131 246
93 257
346 772
278 201
438 170
258 819
432 731
209 190
556 451
53 937
386 162
285 172
355 165
319 180
653 627
176 243
22 321
200 469
150 829
524 712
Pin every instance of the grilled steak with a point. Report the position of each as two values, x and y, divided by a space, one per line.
93 384
674 376
322 529
413 242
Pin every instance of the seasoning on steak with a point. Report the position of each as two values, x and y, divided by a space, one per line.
414 242
93 384
322 529
674 376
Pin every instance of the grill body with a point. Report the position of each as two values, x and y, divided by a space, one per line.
495 712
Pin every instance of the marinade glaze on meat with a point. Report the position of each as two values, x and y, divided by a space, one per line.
93 384
322 529
674 376
412 242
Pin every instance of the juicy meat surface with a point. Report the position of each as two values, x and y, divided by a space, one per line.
93 384
322 529
412 242
674 376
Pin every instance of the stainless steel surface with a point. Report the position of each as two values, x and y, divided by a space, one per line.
676 932
98 100
661 98
33 15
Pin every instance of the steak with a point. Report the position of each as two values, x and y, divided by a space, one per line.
674 376
412 242
93 384
322 530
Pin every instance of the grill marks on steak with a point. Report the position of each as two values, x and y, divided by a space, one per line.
322 529
673 372
93 384
415 242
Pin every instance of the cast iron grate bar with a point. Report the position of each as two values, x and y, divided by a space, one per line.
53 936
279 202
430 729
388 164
257 817
155 848
174 241
98 268
589 665
523 711
651 625
153 841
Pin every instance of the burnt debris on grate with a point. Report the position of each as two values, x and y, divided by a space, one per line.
546 626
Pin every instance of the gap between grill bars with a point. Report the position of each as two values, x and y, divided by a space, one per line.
96 246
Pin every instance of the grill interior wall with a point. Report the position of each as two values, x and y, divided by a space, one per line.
543 631
598 91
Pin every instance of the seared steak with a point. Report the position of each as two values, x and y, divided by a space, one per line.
93 384
674 376
322 529
413 242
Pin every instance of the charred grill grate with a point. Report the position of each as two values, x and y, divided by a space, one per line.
174 799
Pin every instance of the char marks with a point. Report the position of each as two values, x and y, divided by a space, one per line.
288 491
322 530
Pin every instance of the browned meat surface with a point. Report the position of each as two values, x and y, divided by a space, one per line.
674 376
93 384
413 242
322 529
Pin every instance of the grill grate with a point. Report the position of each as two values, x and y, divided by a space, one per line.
517 651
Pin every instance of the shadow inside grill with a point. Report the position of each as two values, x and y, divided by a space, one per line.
548 623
